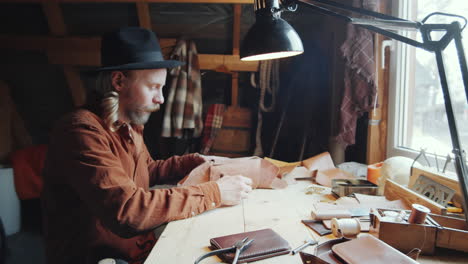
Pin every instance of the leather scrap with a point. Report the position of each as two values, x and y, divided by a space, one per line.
317 226
321 162
263 173
325 177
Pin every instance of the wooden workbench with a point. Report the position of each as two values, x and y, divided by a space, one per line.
281 210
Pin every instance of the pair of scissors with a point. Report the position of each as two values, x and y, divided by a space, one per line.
239 246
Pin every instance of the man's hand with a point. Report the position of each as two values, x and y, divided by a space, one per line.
234 188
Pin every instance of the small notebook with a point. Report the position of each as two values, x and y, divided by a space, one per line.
369 250
267 243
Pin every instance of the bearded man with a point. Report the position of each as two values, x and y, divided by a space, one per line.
97 200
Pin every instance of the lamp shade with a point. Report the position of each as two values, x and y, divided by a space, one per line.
270 37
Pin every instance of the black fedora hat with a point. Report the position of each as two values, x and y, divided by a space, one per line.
133 48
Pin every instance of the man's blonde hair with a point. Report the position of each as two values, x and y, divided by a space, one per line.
109 101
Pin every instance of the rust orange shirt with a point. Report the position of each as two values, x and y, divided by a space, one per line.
96 199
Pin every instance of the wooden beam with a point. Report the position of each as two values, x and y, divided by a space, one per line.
133 1
86 52
75 58
57 27
235 52
207 61
236 29
235 89
231 63
44 43
75 84
378 117
54 17
144 17
377 128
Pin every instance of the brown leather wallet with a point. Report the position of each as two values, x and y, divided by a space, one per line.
267 243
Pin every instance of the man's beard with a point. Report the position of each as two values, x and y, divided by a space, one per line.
140 116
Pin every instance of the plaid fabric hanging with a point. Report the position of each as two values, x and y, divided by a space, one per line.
213 123
360 91
184 101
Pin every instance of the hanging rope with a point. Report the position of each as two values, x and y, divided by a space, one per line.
269 82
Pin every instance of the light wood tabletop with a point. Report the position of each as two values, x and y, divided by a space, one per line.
281 210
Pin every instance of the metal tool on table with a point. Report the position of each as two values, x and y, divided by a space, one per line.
447 161
239 247
345 187
309 242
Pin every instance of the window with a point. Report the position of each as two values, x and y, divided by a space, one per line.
417 117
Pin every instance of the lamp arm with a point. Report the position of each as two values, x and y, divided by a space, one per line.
376 25
460 155
358 10
460 158
452 32
462 60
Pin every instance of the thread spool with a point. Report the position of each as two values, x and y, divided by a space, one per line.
373 172
345 227
418 214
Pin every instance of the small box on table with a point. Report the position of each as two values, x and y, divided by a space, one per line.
437 231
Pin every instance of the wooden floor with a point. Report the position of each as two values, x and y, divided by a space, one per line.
183 241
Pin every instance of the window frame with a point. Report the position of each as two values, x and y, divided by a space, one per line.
400 79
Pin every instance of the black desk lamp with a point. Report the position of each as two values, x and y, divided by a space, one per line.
272 38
